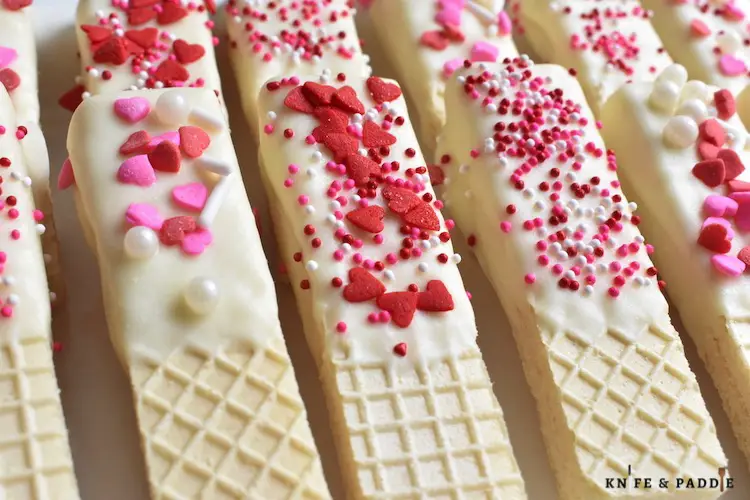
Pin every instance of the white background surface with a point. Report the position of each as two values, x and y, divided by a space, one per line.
96 393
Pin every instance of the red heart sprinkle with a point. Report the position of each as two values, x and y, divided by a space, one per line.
713 237
133 4
317 94
297 101
401 305
732 163
145 38
113 51
422 216
453 33
331 120
382 91
16 4
744 256
137 143
171 71
171 13
400 349
373 136
9 79
361 169
434 40
139 16
187 53
96 34
369 219
736 186
165 157
193 141
711 172
346 99
362 286
725 104
707 151
436 298
437 174
400 200
73 98
712 132
341 145
173 230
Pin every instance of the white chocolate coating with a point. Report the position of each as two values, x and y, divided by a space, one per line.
16 32
400 24
144 297
566 32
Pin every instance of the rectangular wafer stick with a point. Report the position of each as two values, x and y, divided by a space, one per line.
606 43
707 38
682 156
35 459
427 41
143 44
531 185
268 39
385 311
189 299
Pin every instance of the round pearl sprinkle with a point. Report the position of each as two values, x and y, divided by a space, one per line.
680 132
201 295
695 109
141 243
694 90
674 73
172 108
665 95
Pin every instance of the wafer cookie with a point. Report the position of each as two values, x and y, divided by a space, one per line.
532 187
189 299
35 459
682 150
386 315
605 43
427 41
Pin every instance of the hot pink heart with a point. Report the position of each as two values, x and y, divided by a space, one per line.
483 52
8 56
144 214
196 242
719 206
190 196
731 65
137 170
132 109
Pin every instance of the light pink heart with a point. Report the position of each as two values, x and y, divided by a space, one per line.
190 196
451 66
722 222
450 14
196 242
504 24
8 56
66 177
484 52
726 264
719 206
144 214
731 65
173 137
132 109
137 170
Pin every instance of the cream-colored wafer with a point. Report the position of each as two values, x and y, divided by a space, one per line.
671 169
189 299
35 459
386 314
606 42
707 37
531 185
268 39
427 41
743 106
143 44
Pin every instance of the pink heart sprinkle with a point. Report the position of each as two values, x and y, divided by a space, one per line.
144 214
132 109
136 170
731 66
451 66
699 28
450 14
726 264
173 137
740 196
190 196
722 222
8 56
719 206
732 12
742 217
504 24
484 52
66 177
196 242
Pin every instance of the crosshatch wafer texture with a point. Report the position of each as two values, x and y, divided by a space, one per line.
221 425
35 461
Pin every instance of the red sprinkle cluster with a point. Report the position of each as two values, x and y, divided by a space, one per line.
381 190
300 21
545 136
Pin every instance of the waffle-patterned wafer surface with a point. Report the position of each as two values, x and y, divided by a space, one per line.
35 460
189 299
530 183
707 285
410 399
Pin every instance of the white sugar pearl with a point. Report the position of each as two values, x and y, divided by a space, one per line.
680 132
694 90
141 243
172 108
201 295
205 119
665 95
729 42
693 108
674 73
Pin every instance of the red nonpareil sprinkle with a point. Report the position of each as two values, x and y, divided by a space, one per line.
400 349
